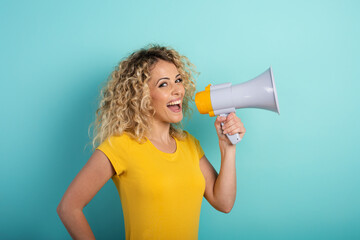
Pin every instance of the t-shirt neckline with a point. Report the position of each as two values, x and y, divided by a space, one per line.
161 152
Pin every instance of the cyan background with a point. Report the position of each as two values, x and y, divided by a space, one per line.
297 173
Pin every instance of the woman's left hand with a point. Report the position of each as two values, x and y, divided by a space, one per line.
232 125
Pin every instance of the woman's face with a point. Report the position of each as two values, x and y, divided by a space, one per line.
167 92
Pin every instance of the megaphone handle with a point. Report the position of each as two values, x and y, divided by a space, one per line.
234 139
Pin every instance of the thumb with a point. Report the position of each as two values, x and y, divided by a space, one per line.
218 122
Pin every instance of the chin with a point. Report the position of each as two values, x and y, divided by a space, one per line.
176 120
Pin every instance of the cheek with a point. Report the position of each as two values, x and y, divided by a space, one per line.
183 89
158 99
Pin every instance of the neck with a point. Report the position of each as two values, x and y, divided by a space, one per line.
160 131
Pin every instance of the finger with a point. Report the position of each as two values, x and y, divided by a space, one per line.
221 118
231 123
228 119
232 117
233 129
238 126
242 134
235 121
218 122
240 130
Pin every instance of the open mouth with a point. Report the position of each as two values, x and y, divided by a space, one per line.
174 106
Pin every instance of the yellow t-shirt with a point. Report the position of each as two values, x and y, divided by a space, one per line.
161 193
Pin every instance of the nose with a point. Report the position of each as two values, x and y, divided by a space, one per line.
178 90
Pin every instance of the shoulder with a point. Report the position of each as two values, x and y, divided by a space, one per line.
189 137
193 145
116 141
118 148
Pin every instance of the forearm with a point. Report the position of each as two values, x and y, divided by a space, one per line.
225 184
76 224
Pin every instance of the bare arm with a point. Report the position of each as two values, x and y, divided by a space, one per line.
92 177
220 189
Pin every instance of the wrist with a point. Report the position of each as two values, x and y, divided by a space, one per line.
227 148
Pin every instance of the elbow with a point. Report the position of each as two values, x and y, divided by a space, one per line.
223 209
63 209
60 210
66 208
227 210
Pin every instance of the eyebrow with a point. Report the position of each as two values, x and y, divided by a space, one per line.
166 78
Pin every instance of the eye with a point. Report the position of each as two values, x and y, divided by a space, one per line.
179 80
164 84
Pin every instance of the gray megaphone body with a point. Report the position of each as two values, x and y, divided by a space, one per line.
222 99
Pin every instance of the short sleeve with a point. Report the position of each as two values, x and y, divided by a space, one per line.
199 149
110 147
196 144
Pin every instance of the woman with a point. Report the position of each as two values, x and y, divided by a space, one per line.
160 171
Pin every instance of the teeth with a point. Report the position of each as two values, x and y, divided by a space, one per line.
174 103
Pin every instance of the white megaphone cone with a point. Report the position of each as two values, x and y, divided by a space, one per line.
222 99
259 92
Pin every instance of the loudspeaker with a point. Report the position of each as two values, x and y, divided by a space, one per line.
222 99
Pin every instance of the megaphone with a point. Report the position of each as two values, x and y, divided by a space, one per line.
222 99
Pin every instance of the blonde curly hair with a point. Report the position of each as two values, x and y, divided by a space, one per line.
125 102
